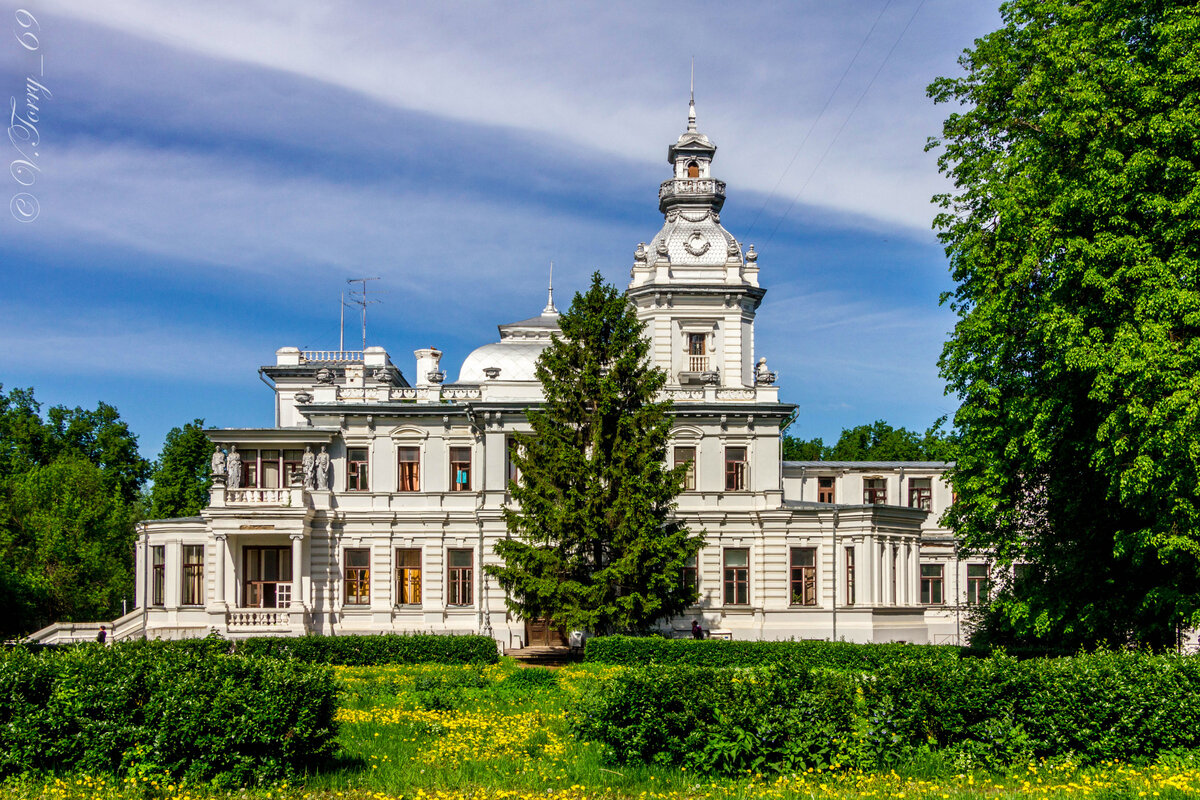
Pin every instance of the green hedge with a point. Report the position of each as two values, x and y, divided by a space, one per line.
155 708
370 650
974 712
638 650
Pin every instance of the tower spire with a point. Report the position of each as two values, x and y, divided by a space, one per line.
550 309
692 101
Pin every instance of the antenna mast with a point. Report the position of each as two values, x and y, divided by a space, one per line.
359 299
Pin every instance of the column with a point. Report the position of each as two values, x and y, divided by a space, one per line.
222 554
297 555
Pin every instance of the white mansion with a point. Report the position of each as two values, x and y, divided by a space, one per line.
413 477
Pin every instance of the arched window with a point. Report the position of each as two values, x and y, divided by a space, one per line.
693 169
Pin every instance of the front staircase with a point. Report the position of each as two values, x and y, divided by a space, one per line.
543 656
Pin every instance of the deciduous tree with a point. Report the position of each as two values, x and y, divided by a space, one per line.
183 473
1072 232
595 545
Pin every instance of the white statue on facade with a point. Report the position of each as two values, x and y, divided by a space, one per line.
308 467
323 469
762 374
218 463
233 468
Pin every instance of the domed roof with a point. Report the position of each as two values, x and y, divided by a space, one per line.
695 238
516 354
516 360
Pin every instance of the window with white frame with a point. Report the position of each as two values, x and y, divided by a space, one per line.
460 577
804 576
408 468
687 456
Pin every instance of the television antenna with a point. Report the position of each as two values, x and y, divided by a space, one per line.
358 298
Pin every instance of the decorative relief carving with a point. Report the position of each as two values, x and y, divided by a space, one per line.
697 244
697 217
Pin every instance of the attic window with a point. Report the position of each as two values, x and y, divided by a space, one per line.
693 169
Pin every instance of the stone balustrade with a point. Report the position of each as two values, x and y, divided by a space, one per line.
308 356
691 186
259 618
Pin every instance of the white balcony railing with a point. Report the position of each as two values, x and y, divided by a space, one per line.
697 363
331 355
690 186
258 497
259 618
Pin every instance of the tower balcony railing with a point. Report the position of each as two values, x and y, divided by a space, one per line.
350 356
697 363
691 186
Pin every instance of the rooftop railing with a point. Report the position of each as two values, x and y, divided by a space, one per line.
331 355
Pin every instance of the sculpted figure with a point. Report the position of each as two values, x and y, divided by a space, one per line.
218 462
323 469
761 372
308 468
233 468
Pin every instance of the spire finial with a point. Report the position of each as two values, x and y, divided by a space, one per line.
550 309
692 101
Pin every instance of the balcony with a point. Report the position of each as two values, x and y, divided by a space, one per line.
292 497
685 189
243 618
331 356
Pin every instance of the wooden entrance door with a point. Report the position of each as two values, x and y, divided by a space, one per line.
539 634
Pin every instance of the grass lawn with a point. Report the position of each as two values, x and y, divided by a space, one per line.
438 731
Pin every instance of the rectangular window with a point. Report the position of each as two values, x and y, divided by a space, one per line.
804 576
268 581
408 577
875 491
920 493
510 466
735 469
895 560
269 460
158 575
249 469
193 575
977 583
358 577
460 577
849 576
825 492
460 469
687 455
356 470
737 576
932 584
408 469
293 467
691 574
697 357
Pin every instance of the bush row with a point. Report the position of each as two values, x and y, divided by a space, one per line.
371 650
973 712
155 708
637 650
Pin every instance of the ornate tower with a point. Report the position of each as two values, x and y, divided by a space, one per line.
693 285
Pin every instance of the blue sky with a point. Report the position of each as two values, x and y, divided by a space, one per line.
209 174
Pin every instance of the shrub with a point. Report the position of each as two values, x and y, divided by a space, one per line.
985 712
164 709
637 650
361 651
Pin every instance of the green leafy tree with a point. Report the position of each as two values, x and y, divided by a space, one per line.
69 498
792 449
1072 237
595 544
183 473
878 441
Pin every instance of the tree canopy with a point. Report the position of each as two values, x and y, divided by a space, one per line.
878 441
69 497
183 473
594 544
1072 232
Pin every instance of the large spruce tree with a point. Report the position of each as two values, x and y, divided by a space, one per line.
595 545
1072 234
